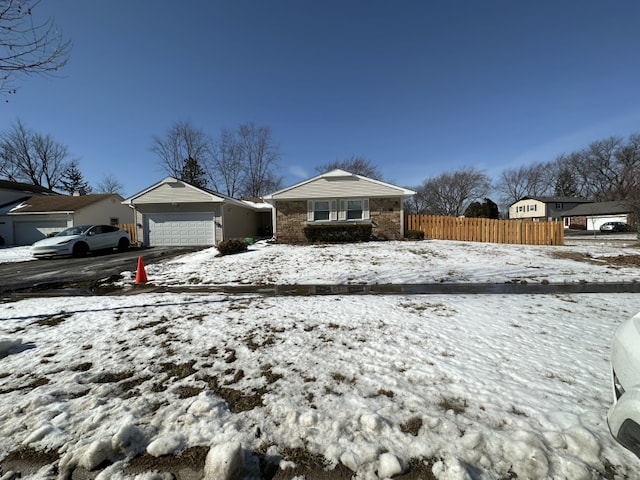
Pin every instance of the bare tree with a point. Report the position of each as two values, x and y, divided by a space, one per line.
28 46
31 157
450 194
227 169
525 181
259 157
109 184
181 143
355 164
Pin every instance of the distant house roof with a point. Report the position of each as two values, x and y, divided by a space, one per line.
598 208
59 203
25 187
554 199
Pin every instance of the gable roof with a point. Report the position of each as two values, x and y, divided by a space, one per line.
59 203
334 183
160 196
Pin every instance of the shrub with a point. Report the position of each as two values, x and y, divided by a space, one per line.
338 233
231 246
414 234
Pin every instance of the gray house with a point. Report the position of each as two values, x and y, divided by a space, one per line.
591 216
543 208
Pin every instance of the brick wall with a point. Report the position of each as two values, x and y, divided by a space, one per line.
384 214
385 217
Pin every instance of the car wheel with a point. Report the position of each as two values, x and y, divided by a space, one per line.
80 249
123 244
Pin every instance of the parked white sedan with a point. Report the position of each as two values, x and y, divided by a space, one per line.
80 240
624 416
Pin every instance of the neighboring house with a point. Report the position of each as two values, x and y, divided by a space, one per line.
12 193
338 197
174 212
543 208
590 216
36 217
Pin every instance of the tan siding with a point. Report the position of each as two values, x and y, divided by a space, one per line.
340 187
539 212
102 212
239 222
174 193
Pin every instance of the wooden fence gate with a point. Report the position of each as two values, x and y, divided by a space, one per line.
487 230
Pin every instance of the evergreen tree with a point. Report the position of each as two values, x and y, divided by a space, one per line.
72 180
193 173
486 209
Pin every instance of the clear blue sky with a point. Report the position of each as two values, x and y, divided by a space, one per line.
419 88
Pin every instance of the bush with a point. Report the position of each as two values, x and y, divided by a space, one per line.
414 235
231 246
338 233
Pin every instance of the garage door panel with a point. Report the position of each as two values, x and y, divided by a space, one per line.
26 233
180 229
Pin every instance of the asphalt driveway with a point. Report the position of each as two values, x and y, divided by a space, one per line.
39 275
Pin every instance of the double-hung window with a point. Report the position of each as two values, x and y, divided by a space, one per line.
321 210
354 209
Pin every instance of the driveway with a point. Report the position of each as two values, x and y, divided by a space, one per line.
38 275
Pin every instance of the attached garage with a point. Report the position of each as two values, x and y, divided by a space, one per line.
28 232
174 213
163 229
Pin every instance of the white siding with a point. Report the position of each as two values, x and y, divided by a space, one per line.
338 187
179 229
175 192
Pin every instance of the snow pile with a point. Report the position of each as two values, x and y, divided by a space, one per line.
478 386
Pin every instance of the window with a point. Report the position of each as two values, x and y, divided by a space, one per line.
354 209
520 208
114 221
531 208
559 205
321 210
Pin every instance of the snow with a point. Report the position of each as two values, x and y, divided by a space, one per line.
484 386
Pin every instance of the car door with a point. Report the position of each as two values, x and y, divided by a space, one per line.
96 238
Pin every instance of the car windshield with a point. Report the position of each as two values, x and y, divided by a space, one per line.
73 231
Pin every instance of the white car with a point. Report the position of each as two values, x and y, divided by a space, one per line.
624 416
80 240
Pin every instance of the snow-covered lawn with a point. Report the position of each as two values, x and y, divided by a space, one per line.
477 386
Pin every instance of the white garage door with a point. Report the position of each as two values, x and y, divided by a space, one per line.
28 232
179 229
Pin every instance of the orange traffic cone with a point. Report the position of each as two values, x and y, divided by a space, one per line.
141 275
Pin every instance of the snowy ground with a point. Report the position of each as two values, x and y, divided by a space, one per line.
478 386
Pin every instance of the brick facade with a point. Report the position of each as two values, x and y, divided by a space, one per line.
384 213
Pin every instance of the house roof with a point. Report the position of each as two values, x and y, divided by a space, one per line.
338 174
598 208
25 188
554 199
59 203
214 196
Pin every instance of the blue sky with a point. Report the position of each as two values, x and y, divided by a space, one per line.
419 88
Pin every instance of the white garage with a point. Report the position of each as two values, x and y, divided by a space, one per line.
28 232
163 229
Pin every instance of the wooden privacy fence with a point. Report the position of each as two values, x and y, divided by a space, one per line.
130 228
487 230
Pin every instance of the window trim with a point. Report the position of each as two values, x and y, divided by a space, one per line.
337 214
